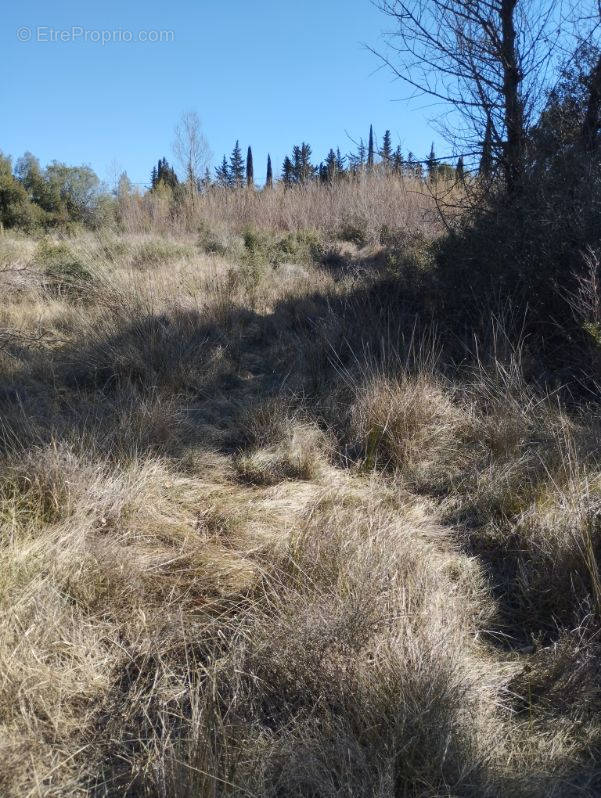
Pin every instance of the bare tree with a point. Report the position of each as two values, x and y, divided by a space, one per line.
592 117
488 60
191 149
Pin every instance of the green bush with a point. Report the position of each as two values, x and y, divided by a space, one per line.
65 273
354 230
159 250
210 242
302 246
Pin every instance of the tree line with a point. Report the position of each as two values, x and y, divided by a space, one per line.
298 167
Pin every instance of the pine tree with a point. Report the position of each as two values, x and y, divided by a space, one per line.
370 149
386 151
330 171
431 164
339 162
361 152
486 160
250 171
154 178
269 179
357 160
237 166
460 170
397 161
302 168
164 174
222 174
410 164
287 172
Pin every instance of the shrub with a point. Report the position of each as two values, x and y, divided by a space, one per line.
354 230
65 272
159 250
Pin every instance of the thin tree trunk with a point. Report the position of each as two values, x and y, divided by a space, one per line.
514 114
590 124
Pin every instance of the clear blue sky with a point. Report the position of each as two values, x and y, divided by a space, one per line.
269 72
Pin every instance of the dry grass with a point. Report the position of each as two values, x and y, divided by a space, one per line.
256 542
367 207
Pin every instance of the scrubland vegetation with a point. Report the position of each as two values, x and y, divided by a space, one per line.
272 524
300 487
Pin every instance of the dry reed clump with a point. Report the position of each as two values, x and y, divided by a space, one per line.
300 453
371 204
559 545
412 424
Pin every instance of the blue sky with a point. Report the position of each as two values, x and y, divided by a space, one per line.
269 72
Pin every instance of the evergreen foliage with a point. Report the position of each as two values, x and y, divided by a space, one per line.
386 153
236 170
370 149
432 164
222 174
269 178
250 171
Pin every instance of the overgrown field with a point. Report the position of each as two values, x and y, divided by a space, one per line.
262 536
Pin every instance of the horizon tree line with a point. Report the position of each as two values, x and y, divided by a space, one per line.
298 168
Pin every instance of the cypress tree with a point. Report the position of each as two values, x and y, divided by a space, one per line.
237 166
250 171
370 149
269 179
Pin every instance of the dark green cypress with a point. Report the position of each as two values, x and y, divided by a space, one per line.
269 179
370 149
250 170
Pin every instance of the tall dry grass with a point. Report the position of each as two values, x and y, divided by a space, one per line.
369 205
256 539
